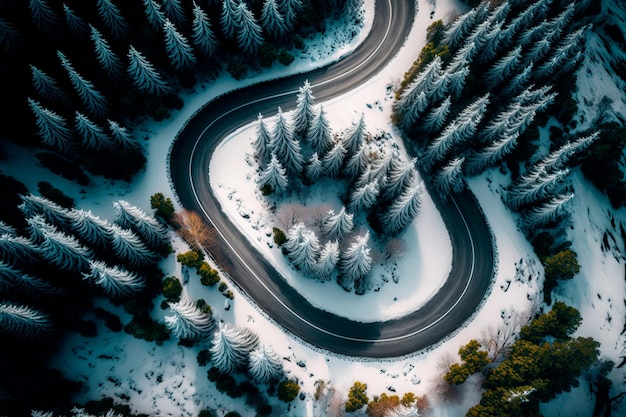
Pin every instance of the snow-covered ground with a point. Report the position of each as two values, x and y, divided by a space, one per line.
166 380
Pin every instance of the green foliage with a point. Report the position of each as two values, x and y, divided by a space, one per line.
380 406
171 288
266 189
147 329
473 360
427 54
288 390
192 259
285 58
357 397
560 323
279 236
268 53
163 206
434 32
52 193
562 265
223 287
208 275
237 69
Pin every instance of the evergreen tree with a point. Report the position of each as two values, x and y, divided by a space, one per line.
92 230
314 168
147 227
456 81
143 75
493 43
286 148
112 18
203 37
47 87
265 366
365 177
231 347
450 179
492 154
462 58
92 99
459 29
358 162
414 100
121 136
110 62
13 280
272 20
22 321
177 47
33 205
93 136
402 210
262 143
249 34
37 226
17 250
228 18
337 226
355 263
6 229
290 9
174 12
479 38
547 213
542 188
364 197
355 136
304 113
129 248
44 17
275 176
519 82
11 39
188 321
503 69
153 12
435 119
295 234
305 253
63 250
320 134
114 281
402 174
333 161
327 261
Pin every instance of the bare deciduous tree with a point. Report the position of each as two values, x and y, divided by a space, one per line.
193 229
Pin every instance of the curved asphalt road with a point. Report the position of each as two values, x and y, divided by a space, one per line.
472 266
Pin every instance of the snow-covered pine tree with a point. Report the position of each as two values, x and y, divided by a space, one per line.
462 57
337 226
47 87
304 112
11 39
13 280
304 255
358 162
355 136
413 100
479 38
178 50
295 234
272 20
320 134
355 263
6 228
22 321
129 248
174 11
44 17
491 154
37 225
314 168
188 320
143 75
114 281
113 19
202 35
402 210
333 161
519 82
493 43
290 9
121 136
249 33
542 188
435 119
17 250
547 213
449 179
93 136
229 20
109 60
456 81
365 177
63 250
459 29
153 233
401 174
154 15
327 261
364 198
92 230
558 23
275 176
231 347
92 99
52 212
286 148
265 365
504 67
404 410
262 143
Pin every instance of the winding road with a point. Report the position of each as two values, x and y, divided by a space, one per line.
473 254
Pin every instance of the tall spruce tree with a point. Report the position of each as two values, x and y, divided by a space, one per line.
314 168
231 347
93 100
320 133
22 321
153 233
188 321
337 226
154 14
334 159
203 37
52 128
265 365
109 60
262 143
113 19
143 75
327 261
175 12
114 281
93 136
304 112
275 176
286 148
272 20
47 87
249 33
449 179
402 210
355 263
548 212
178 50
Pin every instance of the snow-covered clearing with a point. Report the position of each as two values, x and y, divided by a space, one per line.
166 380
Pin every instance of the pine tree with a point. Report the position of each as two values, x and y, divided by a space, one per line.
493 43
364 197
265 366
143 75
177 47
110 62
6 229
320 134
456 81
286 148
327 261
337 226
305 112
542 188
37 226
121 136
492 154
44 17
92 230
114 281
53 213
355 263
228 18
22 321
402 210
314 168
291 9
355 136
113 19
262 143
462 58
414 100
231 347
458 30
358 162
305 253
13 281
272 20
146 226
249 34
295 234
11 39
519 82
92 99
503 69
547 213
449 180
154 14
202 36
47 87
173 10
479 38
402 174
63 250
93 136
333 161
188 321
17 250
275 176
435 119
129 248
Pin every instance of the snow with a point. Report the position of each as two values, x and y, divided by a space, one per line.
166 380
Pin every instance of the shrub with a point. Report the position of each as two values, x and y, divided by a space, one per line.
285 58
171 289
357 397
266 189
279 236
223 286
203 357
288 390
163 206
147 329
60 166
208 275
111 321
192 259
